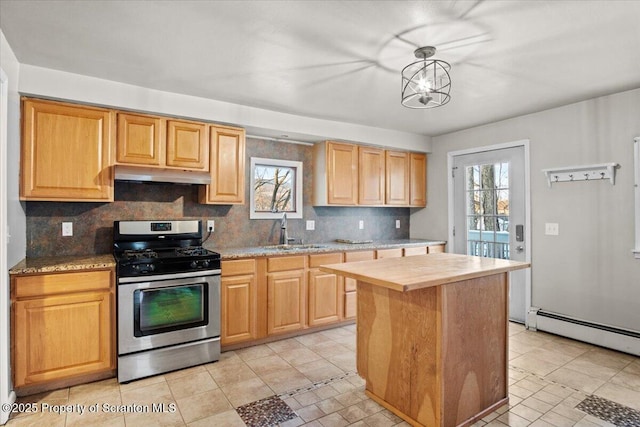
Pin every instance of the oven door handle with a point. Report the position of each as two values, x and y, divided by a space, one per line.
171 276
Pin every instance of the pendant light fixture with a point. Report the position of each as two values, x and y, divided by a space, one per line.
426 83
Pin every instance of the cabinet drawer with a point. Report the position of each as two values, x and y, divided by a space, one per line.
359 256
241 266
421 250
389 253
285 263
60 283
435 249
320 259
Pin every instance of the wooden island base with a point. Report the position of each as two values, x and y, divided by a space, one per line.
435 356
433 350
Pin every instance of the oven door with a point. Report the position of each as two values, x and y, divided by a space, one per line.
158 313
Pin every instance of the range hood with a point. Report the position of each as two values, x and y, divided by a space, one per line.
142 174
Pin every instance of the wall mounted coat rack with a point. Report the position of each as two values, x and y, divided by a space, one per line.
582 173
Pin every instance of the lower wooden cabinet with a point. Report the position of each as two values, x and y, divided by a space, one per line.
238 301
270 296
389 253
63 327
350 297
285 301
415 250
435 249
325 296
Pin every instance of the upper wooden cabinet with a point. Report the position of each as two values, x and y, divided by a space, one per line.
227 167
397 178
141 140
187 145
66 152
158 142
418 180
371 176
350 174
336 173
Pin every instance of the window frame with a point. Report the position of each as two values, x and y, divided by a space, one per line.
297 191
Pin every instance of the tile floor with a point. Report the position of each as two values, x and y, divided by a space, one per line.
315 376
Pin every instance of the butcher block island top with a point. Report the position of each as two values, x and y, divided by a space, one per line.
432 335
422 271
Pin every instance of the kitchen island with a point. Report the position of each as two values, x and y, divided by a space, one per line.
432 334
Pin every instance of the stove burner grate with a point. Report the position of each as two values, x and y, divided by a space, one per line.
140 254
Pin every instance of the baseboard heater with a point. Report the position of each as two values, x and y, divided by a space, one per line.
620 339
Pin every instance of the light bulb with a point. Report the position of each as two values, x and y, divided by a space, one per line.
424 85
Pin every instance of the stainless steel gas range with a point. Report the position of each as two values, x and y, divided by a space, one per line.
168 297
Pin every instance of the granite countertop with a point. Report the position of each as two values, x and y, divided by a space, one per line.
63 263
91 262
417 272
313 248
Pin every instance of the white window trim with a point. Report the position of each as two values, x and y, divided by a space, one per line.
297 191
636 183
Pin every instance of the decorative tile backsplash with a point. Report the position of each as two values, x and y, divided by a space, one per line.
93 222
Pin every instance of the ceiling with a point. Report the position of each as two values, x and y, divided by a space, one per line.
341 60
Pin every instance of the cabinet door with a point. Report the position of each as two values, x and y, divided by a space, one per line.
371 176
66 152
227 167
349 283
140 140
324 298
342 173
187 145
418 184
350 305
397 178
285 301
238 308
62 336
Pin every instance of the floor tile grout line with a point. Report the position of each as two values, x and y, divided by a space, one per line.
316 385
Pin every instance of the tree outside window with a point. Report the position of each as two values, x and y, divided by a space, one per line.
276 187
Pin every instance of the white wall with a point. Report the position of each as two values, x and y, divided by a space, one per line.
588 270
62 85
15 217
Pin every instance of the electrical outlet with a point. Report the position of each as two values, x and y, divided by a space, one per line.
67 229
311 225
551 229
397 223
361 225
211 225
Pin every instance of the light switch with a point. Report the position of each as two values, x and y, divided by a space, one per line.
551 229
397 223
361 225
67 229
311 225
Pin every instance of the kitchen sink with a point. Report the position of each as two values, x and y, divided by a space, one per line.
293 247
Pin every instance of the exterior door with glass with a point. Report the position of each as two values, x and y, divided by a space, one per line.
489 213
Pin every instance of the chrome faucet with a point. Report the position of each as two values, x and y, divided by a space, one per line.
284 237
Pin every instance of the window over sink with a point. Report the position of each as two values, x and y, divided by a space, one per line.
276 188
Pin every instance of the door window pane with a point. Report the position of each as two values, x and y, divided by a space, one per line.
487 207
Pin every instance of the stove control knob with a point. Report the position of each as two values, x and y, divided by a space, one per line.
151 267
205 263
193 264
